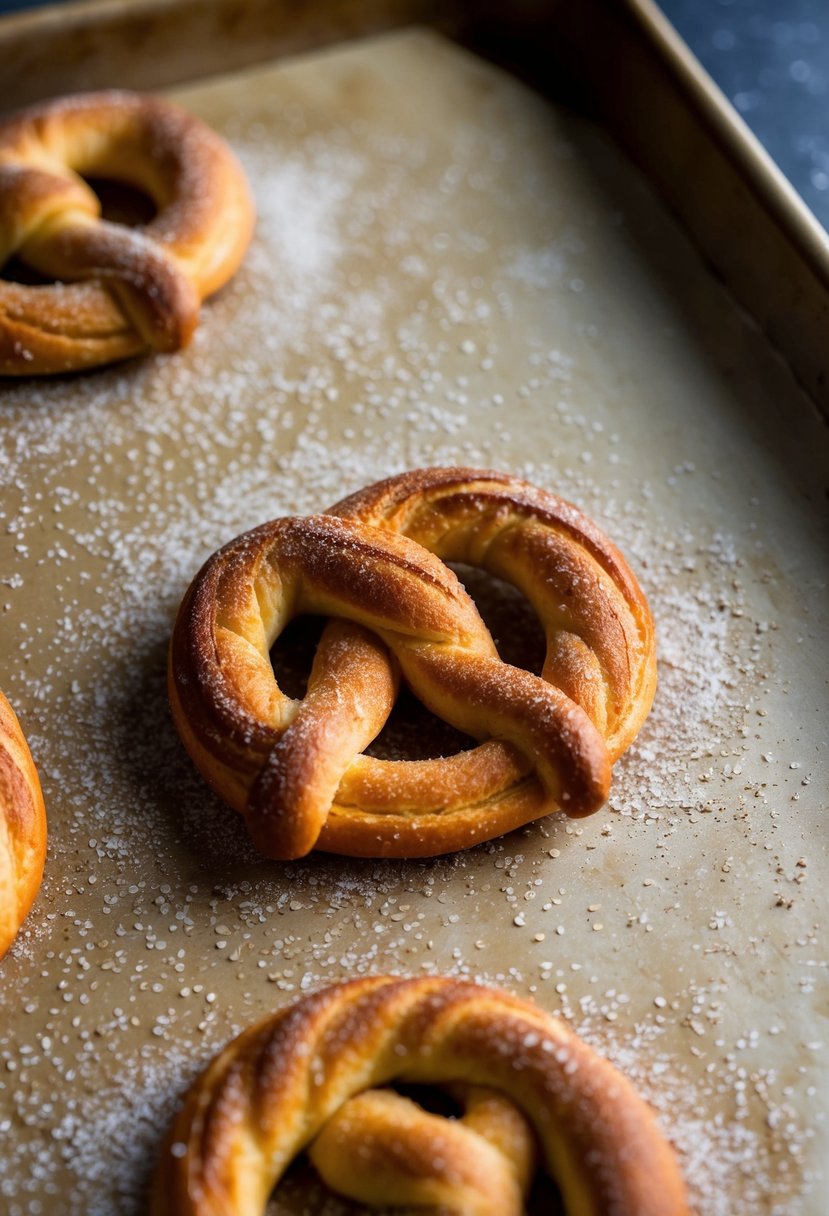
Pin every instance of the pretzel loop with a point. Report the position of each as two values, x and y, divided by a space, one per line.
141 288
307 1076
597 625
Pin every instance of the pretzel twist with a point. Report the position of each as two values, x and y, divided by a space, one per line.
22 827
597 624
296 771
141 287
292 1081
382 1148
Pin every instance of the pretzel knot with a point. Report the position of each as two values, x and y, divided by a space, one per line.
22 827
296 770
529 1090
141 287
383 1148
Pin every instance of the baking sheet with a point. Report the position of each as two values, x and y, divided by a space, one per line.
447 269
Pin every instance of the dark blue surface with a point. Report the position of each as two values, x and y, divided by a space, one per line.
771 58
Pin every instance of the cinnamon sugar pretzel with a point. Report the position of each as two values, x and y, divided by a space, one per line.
123 290
22 827
296 771
306 1078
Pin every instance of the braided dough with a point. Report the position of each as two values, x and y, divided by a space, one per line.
22 827
295 769
141 287
306 1078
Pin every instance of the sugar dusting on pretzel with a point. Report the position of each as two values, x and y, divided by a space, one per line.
308 1078
122 290
296 769
597 624
22 827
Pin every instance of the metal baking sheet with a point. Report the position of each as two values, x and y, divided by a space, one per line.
447 269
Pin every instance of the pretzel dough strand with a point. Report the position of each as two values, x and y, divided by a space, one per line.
144 286
223 688
22 827
600 644
270 1093
382 1148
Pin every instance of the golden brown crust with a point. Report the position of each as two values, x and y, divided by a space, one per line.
295 769
381 1148
600 637
22 827
142 287
286 765
275 1090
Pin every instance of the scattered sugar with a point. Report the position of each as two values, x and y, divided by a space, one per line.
364 336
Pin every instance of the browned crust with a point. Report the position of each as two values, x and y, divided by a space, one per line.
22 827
383 1148
285 767
553 552
142 288
296 772
272 1090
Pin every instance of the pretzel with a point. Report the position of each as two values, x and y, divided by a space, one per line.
22 827
295 769
140 288
306 1076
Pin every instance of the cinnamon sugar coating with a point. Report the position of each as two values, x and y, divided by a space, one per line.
296 769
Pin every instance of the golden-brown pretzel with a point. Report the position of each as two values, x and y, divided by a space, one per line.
295 769
140 289
22 827
233 718
275 1089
